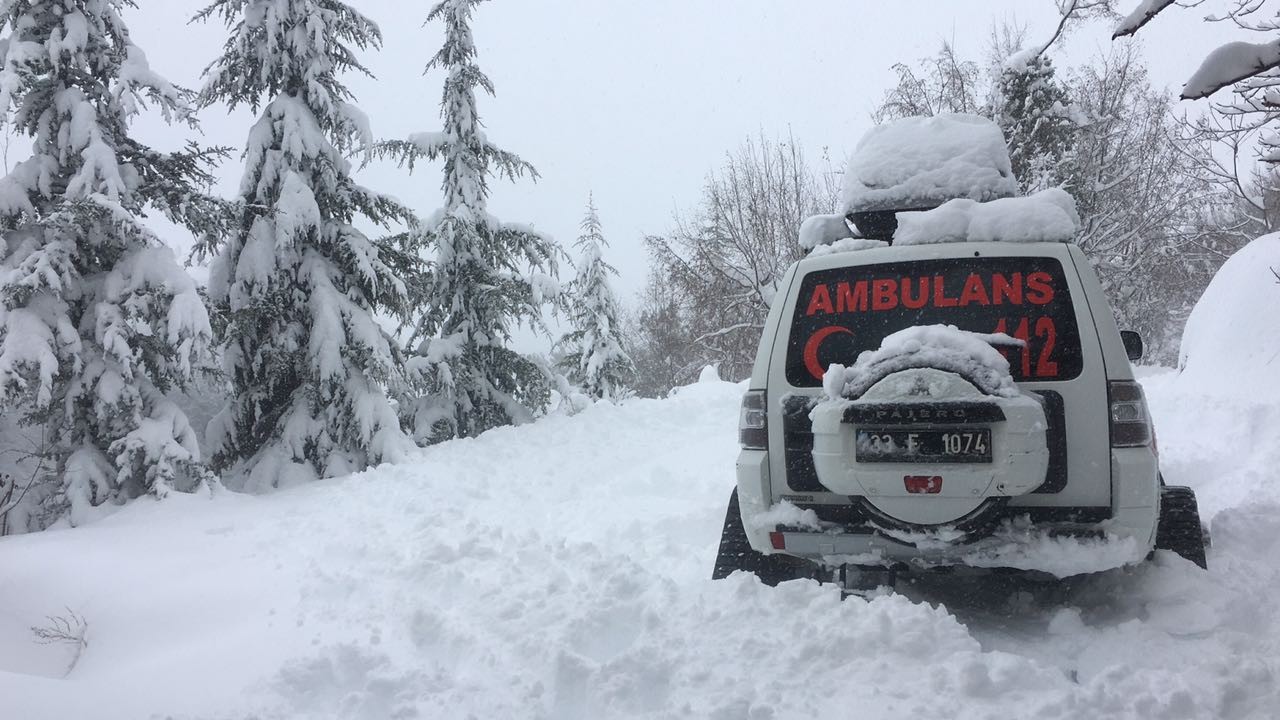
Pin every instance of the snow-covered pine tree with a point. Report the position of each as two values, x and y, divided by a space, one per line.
308 365
1034 111
485 275
97 319
595 358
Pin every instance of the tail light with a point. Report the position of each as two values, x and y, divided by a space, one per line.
753 423
1130 422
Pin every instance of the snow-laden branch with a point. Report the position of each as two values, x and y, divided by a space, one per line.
1144 13
1230 64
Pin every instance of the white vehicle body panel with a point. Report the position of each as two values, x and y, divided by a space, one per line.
1117 482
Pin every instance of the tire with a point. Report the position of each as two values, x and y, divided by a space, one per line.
736 553
1179 529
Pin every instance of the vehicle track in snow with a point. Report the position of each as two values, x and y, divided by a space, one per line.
560 570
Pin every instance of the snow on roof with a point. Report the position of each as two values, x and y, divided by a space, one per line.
823 230
1230 345
847 245
921 162
1047 216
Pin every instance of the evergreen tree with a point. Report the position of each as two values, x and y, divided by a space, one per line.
308 365
595 359
484 276
1033 109
97 319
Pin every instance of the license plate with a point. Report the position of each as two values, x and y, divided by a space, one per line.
969 445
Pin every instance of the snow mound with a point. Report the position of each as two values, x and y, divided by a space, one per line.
922 162
847 245
819 230
942 347
1231 345
1047 216
560 570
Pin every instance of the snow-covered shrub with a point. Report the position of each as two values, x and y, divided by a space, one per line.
298 282
484 275
596 360
1037 119
97 319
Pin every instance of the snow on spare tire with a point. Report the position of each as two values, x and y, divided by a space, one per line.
951 374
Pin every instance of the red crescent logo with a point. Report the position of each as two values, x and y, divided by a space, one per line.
811 349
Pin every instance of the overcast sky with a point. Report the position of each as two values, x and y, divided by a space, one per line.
636 100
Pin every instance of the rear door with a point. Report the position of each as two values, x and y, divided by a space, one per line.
838 309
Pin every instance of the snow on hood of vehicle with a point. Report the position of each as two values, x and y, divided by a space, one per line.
941 347
1047 216
1231 343
922 162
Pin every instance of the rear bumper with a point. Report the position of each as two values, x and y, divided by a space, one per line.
1061 549
1075 541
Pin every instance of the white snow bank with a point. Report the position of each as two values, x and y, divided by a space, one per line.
560 570
921 162
709 374
1047 216
1231 343
944 347
1224 446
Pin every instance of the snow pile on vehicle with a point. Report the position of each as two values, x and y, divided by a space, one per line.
819 230
847 245
941 347
1231 343
1047 216
922 162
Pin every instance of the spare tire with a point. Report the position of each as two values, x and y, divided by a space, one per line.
928 448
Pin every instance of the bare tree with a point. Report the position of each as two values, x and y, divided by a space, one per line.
1161 209
1252 70
722 263
1152 218
940 84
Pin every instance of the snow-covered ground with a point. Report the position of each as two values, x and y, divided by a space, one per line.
560 570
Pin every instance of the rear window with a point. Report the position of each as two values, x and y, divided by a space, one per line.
844 311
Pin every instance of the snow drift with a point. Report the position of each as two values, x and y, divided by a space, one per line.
1231 343
559 570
